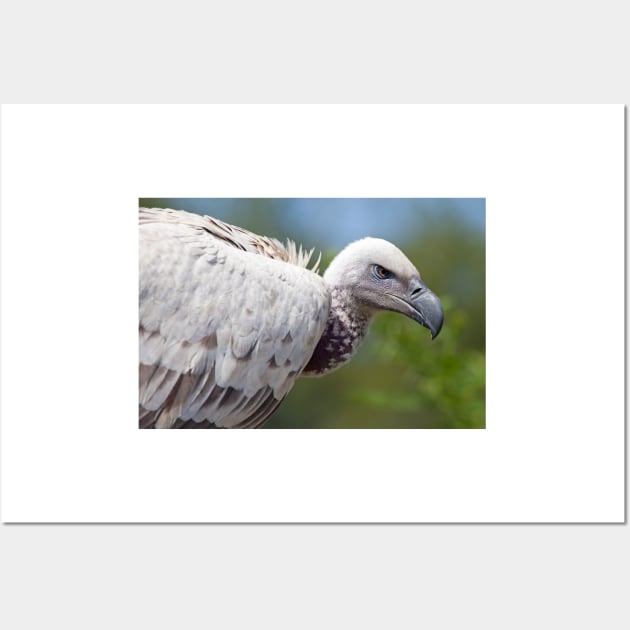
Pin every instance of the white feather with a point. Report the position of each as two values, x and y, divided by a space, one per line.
216 303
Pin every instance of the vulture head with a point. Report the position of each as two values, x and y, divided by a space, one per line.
369 276
375 276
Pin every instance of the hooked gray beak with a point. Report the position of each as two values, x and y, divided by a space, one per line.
426 307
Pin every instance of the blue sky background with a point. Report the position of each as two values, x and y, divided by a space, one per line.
332 223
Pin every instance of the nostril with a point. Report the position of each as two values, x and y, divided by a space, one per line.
417 292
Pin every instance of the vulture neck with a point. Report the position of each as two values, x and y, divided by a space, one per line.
346 327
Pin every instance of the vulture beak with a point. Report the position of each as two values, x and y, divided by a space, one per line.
426 307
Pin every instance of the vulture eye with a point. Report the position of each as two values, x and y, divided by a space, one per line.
380 273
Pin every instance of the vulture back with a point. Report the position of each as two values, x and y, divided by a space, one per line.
228 320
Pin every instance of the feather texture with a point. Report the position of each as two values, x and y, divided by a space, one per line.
228 320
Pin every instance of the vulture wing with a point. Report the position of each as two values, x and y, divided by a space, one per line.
228 320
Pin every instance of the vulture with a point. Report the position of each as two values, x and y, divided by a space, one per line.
229 319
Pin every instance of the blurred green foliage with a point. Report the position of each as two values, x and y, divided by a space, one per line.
400 378
446 382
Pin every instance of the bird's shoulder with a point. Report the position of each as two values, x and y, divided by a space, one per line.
215 318
179 221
